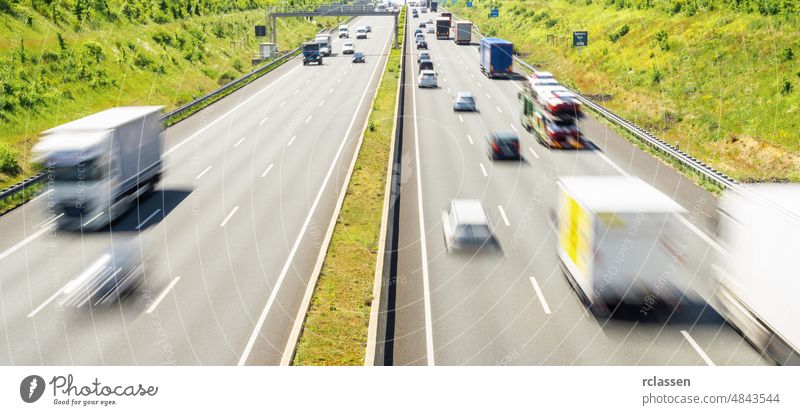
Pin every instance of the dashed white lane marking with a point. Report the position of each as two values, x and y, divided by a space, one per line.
263 121
469 137
296 92
533 152
230 215
503 215
308 119
480 85
488 96
499 110
330 91
147 219
24 242
697 348
513 127
291 141
267 170
162 295
483 170
282 104
51 220
539 294
203 172
321 103
239 142
460 118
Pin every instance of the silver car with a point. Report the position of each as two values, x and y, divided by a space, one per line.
466 225
427 79
464 101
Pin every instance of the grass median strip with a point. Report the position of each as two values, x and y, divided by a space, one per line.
335 329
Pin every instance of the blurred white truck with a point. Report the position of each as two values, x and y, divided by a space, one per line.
758 267
618 241
98 165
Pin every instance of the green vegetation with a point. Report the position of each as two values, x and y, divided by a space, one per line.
61 60
335 329
717 77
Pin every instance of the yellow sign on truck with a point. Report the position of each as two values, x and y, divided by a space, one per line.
617 239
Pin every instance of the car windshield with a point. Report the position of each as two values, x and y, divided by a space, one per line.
359 55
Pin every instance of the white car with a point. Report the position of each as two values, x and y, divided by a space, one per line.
466 225
348 48
427 79
361 33
431 29
344 32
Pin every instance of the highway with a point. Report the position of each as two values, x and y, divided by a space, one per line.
231 235
515 306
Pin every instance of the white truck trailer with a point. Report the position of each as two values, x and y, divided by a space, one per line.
325 44
757 267
98 165
618 241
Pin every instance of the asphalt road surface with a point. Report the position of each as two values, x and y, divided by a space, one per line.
231 235
515 306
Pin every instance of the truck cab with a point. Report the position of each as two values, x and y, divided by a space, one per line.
311 53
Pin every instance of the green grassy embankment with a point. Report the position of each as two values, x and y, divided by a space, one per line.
719 78
63 60
335 328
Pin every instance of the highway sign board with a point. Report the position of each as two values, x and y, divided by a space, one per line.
469 4
494 13
580 39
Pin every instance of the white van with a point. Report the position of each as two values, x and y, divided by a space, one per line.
344 31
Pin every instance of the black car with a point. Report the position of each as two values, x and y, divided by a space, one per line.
503 145
358 57
425 64
421 44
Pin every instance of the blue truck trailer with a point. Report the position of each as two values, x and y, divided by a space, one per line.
496 57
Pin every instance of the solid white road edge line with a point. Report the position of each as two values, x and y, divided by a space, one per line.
423 244
697 348
539 294
274 293
162 295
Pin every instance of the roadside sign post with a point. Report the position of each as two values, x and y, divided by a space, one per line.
494 13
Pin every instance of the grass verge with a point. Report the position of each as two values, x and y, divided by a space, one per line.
335 329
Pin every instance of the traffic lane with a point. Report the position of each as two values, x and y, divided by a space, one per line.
582 342
621 154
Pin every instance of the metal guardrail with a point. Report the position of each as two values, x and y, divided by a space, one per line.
201 101
646 137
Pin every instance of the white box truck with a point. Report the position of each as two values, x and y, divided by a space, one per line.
757 267
98 165
325 44
463 32
618 241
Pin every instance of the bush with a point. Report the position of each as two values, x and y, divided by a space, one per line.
9 163
786 55
786 86
656 77
662 40
622 31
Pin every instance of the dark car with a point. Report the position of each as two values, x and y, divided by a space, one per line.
423 56
421 25
503 145
358 57
421 44
425 64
